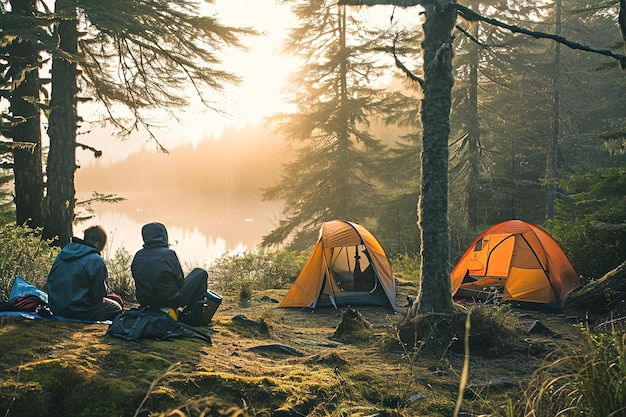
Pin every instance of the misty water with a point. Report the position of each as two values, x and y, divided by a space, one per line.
201 227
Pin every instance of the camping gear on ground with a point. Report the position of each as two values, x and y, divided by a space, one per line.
515 261
21 287
172 312
151 323
22 300
200 312
347 266
25 297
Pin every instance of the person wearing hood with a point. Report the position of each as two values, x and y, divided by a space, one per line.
77 282
158 275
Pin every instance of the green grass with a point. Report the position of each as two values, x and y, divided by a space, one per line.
589 380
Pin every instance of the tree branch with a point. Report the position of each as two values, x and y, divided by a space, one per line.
400 65
469 14
96 152
470 37
400 3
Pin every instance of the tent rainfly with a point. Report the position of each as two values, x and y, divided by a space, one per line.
521 262
347 266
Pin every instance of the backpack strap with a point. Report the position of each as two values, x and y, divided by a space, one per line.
196 333
138 328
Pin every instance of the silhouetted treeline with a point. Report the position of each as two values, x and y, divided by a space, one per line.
238 164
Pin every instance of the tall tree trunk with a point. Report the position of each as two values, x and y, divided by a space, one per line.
27 163
473 124
62 132
513 201
435 289
346 210
622 27
435 292
552 163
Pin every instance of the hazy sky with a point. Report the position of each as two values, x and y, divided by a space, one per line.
263 69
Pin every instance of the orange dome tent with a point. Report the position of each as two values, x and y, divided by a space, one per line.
347 267
518 260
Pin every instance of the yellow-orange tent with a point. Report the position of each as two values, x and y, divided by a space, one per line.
348 266
522 260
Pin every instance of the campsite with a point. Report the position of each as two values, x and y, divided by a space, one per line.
276 352
74 369
482 145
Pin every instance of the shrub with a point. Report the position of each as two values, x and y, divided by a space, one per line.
24 253
120 280
260 271
406 266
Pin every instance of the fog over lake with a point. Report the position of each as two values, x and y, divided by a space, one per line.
208 195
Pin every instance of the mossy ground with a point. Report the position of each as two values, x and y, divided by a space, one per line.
53 368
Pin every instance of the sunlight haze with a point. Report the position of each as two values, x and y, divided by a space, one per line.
262 69
207 189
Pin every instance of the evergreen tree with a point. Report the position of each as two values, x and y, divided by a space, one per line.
435 293
141 55
516 140
332 176
397 218
63 122
590 207
21 51
465 118
397 197
488 145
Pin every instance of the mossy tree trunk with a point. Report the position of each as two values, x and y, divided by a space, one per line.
62 132
435 294
24 59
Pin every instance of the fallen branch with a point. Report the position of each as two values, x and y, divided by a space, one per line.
600 296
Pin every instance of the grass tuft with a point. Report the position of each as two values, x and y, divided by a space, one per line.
587 380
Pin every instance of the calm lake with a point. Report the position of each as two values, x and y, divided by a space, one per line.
201 228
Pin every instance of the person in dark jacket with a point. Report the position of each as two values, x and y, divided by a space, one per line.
77 286
158 275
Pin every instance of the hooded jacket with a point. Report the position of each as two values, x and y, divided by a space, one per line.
77 280
156 270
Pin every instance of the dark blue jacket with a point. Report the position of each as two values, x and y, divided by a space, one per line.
77 280
156 270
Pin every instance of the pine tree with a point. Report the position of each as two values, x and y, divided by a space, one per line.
397 218
63 122
332 176
138 55
435 293
21 50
